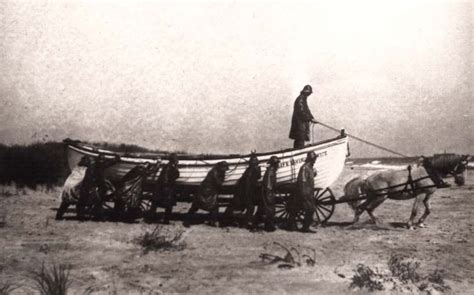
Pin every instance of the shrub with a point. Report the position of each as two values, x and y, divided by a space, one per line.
53 280
30 165
43 163
365 277
437 280
159 240
402 275
292 257
404 268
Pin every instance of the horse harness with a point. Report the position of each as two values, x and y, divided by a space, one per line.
408 187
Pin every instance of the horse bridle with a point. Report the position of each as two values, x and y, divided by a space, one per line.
454 171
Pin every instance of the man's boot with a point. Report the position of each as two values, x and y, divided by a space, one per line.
308 219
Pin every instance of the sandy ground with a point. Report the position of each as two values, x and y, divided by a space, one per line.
106 258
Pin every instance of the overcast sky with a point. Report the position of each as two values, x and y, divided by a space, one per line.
222 77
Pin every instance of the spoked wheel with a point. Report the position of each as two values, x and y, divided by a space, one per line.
97 206
145 206
128 202
324 203
283 208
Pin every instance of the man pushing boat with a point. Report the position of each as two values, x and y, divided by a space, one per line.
206 198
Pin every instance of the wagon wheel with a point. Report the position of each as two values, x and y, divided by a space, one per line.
132 206
89 207
282 211
145 205
324 203
136 211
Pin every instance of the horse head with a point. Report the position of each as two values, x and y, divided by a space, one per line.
446 165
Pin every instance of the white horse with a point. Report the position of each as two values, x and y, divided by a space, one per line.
419 182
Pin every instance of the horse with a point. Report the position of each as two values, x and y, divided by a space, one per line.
419 182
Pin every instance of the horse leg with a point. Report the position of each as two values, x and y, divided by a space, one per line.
362 207
359 210
414 212
373 205
427 212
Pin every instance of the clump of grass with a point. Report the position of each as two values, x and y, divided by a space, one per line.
53 280
365 277
6 288
404 268
159 240
436 280
403 274
293 257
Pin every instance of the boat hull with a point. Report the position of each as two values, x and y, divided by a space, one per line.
193 169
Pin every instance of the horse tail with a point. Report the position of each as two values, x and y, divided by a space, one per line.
354 189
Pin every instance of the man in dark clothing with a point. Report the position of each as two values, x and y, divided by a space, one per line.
304 194
165 188
94 186
301 118
206 197
129 190
245 195
267 203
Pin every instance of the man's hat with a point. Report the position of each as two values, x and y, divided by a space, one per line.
307 89
85 161
311 156
173 158
274 160
253 159
223 165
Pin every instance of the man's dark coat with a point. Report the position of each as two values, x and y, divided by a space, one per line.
206 198
300 120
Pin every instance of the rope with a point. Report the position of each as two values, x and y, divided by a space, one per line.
364 141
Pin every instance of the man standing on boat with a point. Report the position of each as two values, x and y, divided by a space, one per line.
302 116
304 194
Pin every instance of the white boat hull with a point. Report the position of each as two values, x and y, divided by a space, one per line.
193 169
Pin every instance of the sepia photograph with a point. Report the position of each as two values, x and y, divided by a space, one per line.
236 147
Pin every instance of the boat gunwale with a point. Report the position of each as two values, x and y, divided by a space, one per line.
92 150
